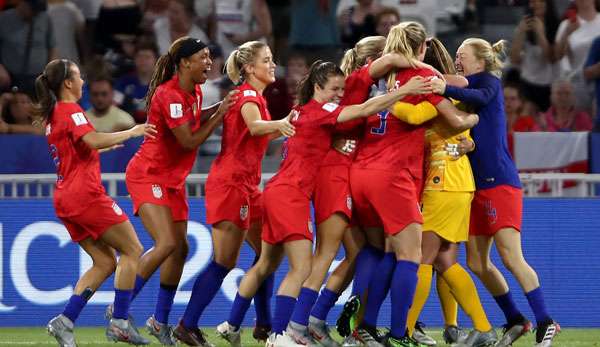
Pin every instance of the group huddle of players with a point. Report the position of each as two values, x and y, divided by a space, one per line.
381 148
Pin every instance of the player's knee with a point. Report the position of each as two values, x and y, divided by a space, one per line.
183 249
106 264
476 266
514 263
165 246
301 271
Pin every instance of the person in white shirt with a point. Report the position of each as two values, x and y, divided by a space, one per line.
573 41
104 116
179 22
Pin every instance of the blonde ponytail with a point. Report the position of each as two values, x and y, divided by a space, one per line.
245 54
405 38
490 54
367 48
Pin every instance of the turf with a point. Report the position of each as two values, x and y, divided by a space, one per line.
36 336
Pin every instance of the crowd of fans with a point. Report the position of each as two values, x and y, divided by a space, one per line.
552 77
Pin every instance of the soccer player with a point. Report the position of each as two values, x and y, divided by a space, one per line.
496 209
362 66
386 181
156 175
446 201
233 198
287 226
92 219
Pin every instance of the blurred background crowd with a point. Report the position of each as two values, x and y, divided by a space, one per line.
551 78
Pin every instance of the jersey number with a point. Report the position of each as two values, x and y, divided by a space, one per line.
383 115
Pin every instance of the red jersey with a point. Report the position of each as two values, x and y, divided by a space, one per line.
304 152
390 144
163 160
356 91
77 165
240 159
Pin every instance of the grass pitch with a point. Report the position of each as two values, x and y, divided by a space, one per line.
94 337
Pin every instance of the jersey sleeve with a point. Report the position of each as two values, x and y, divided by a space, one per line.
79 124
414 114
249 95
477 96
331 114
174 109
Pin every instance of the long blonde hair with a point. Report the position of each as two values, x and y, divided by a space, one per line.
368 47
244 54
490 54
405 38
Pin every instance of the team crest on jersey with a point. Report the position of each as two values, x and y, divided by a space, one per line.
249 93
330 107
48 129
117 209
349 202
157 191
176 110
244 212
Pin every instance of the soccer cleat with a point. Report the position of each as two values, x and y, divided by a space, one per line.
402 342
453 334
261 332
421 337
300 335
545 333
162 332
347 322
477 338
367 336
121 330
191 337
351 341
108 315
320 331
512 331
228 333
61 328
281 340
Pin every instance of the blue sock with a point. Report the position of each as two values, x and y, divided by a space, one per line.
508 307
404 285
238 310
166 293
121 304
205 288
284 306
262 302
366 260
538 306
74 306
379 285
306 301
139 284
324 303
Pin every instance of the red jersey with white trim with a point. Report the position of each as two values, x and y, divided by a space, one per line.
390 144
163 160
356 91
77 165
304 152
240 159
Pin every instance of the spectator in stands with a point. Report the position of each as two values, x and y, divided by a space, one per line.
16 114
104 116
68 24
385 19
313 30
240 21
281 95
26 44
563 115
518 119
179 22
358 21
422 11
151 12
573 41
532 50
592 74
117 19
281 17
206 17
131 89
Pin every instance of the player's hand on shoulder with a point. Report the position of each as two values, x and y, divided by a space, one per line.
145 129
344 146
438 85
230 99
418 85
285 126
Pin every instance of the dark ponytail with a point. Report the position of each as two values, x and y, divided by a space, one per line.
167 64
319 73
47 88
